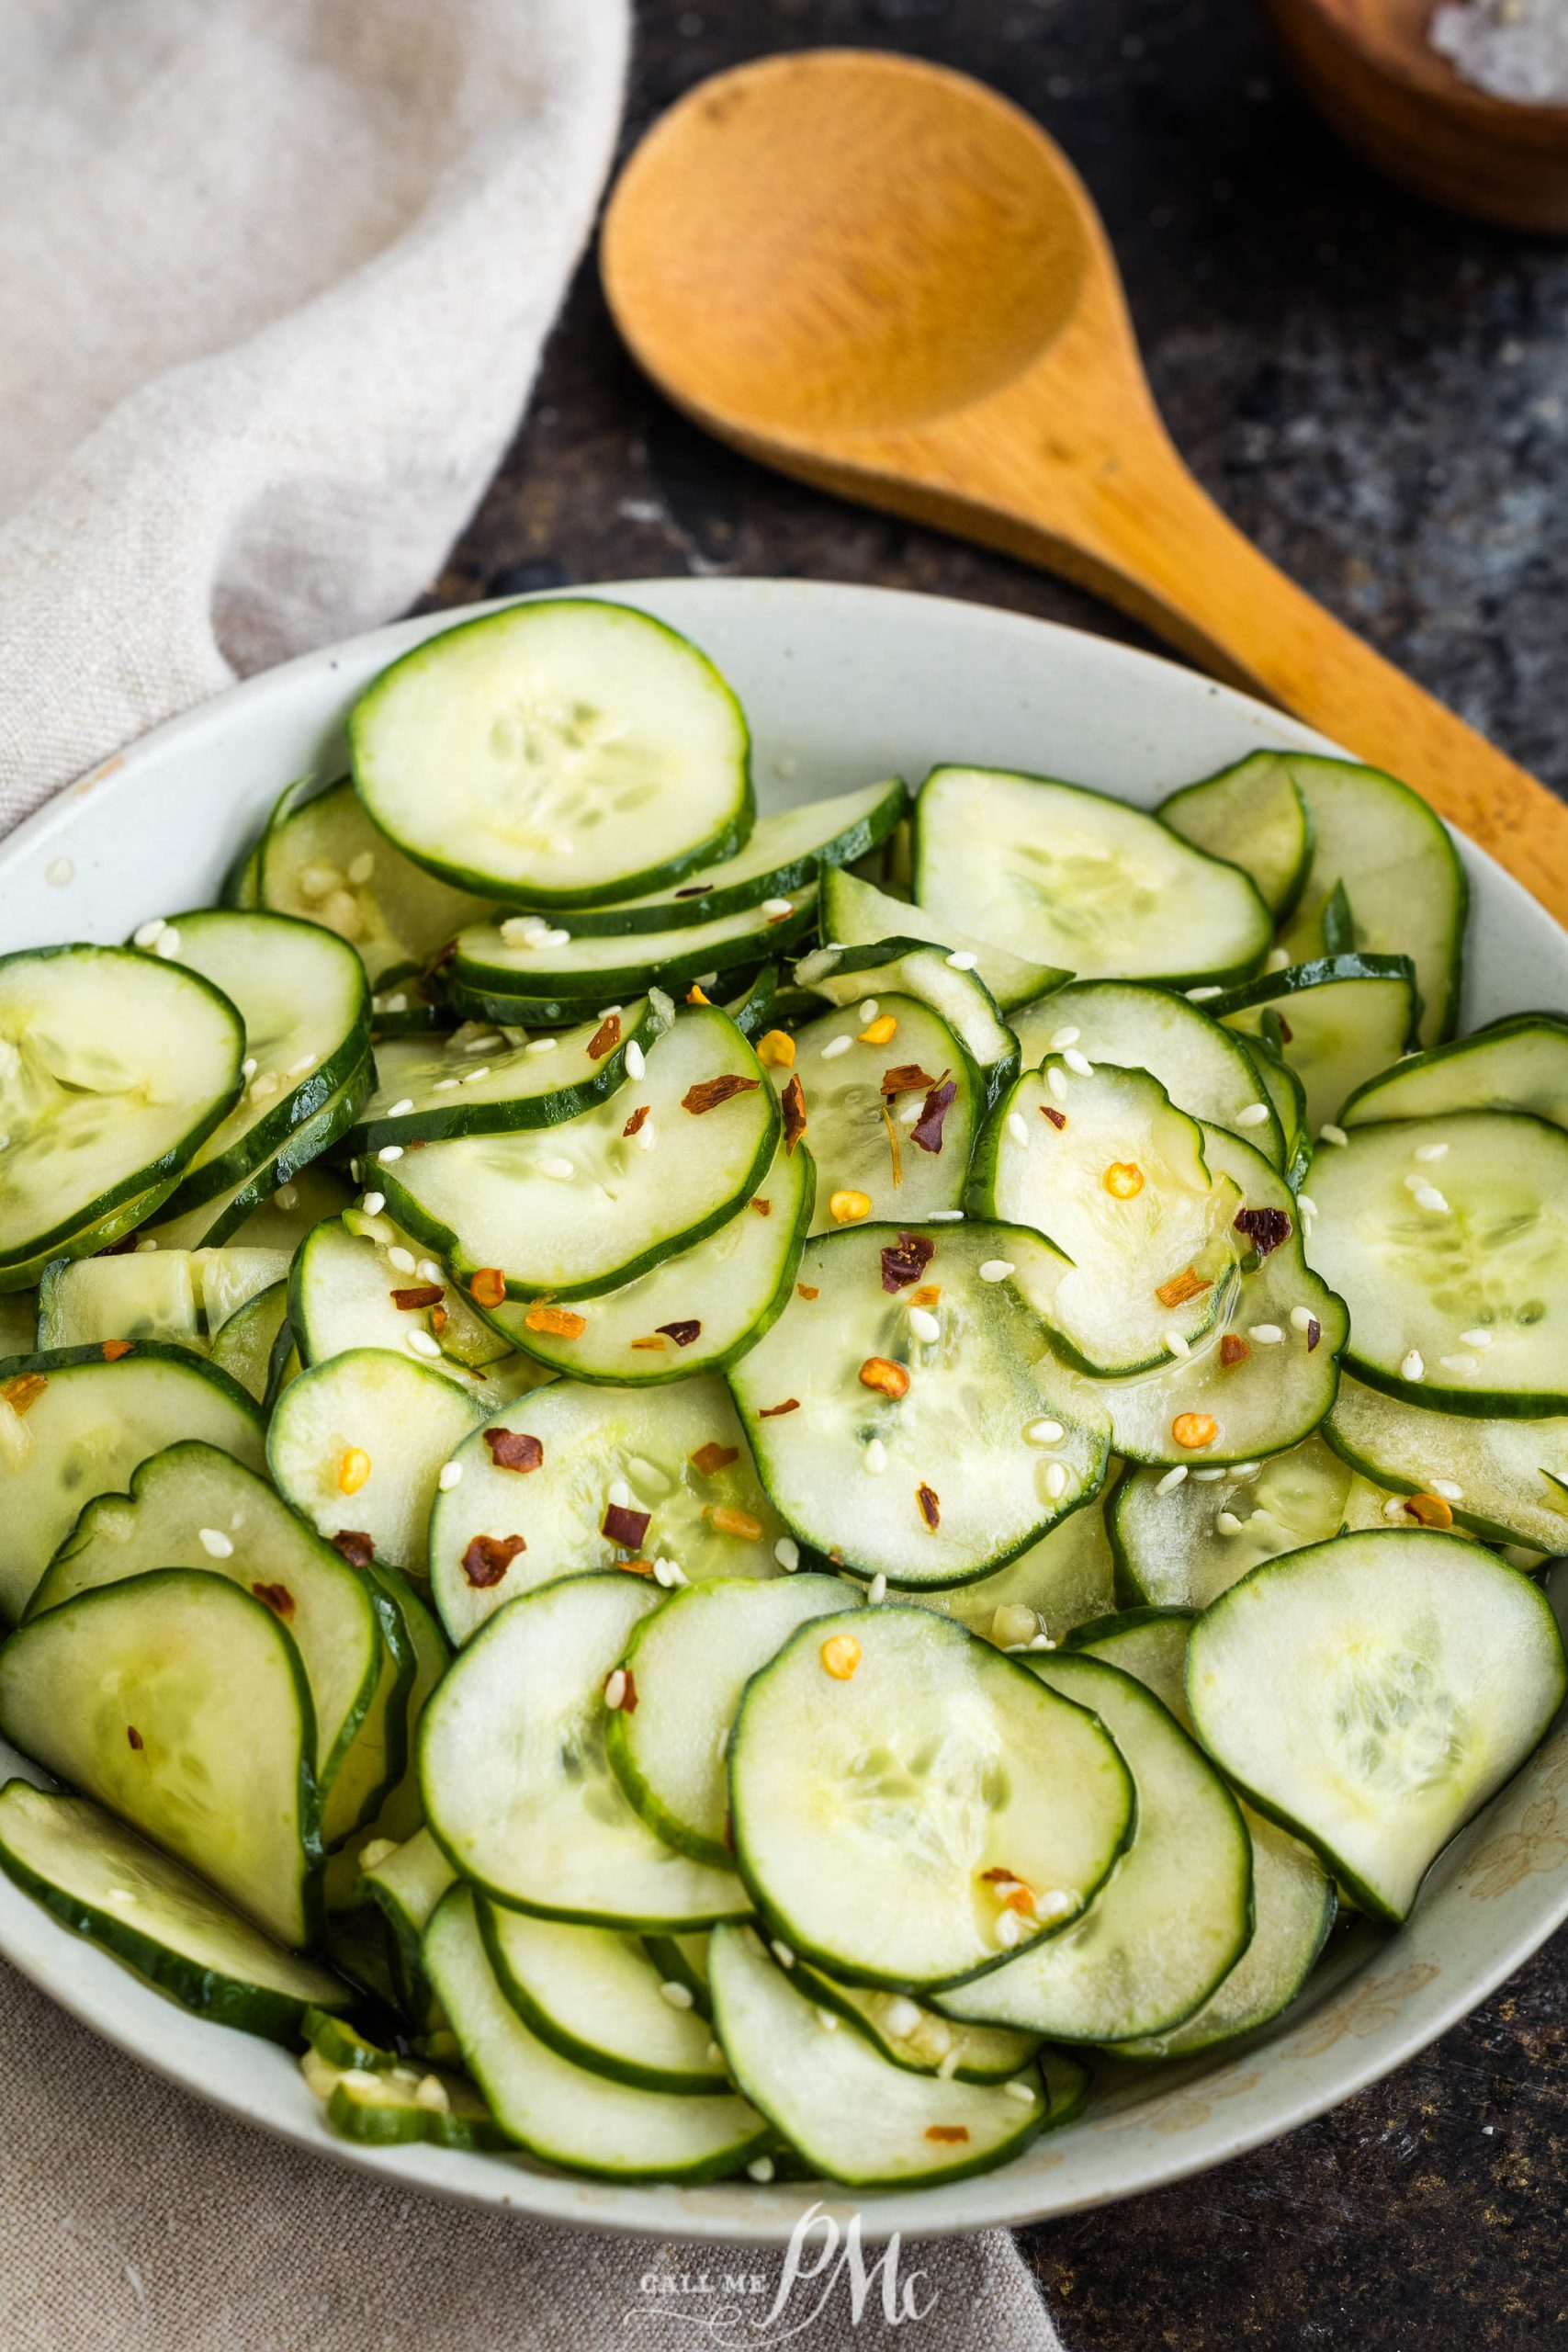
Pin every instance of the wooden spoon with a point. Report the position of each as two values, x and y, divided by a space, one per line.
881 277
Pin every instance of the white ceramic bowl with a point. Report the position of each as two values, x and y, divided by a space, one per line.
842 685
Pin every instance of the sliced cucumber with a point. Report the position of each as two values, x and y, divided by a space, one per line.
948 984
404 2104
1398 869
587 1207
1506 1480
115 1067
596 1997
356 1443
559 2112
1280 1083
1149 1643
406 1884
1065 876
1060 1582
852 2113
894 1781
750 1011
1520 1064
1371 1693
1176 1915
608 1460
1449 1239
133 1694
1116 1179
415 1641
177 1296
245 1215
1183 1547
1251 814
698 1311
359 1282
518 1791
920 2039
247 1345
283 1219
83 1423
1204 1069
786 852
322 858
306 1007
688 1664
857 914
891 1120
988 1444
1338 1020
516 981
110 1886
428 1089
683 1959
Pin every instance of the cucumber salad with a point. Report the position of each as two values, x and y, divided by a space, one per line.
690 1493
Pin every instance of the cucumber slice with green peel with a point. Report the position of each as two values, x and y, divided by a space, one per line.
919 2039
418 1656
1291 1326
283 1219
356 1443
509 980
193 1506
697 1312
1506 1480
242 884
1176 1917
587 1206
110 1885
607 1463
786 853
596 1997
246 1214
853 2114
1062 1581
894 1781
245 1346
182 1297
341 2044
682 1959
1279 1082
1448 1239
947 982
322 858
1067 876
857 914
1117 1180
751 1011
893 1121
1149 1643
518 1790
564 753
1295 1907
1205 1071
689 1663
132 1694
396 2106
929 1461
1252 815
1340 1020
406 1884
302 997
1371 1693
83 1422
469 1091
1519 1064
1185 1547
358 1281
115 1067
561 2113
1400 871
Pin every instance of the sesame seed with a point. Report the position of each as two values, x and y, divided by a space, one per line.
215 1543
1329 1133
647 1136
556 939
1202 996
1301 1318
948 2066
522 931
450 1476
1006 1932
1022 2092
1079 1064
1056 1082
900 2016
782 1953
167 944
373 1204
143 1245
775 910
1228 1523
963 961
1413 1368
1042 1642
400 1257
636 1060
835 1046
828 2019
924 1325
1043 1433
422 1344
559 1170
1265 1335
944 1216
149 933
248 1067
874 1461
1305 1202
1253 1115
472 1076
1477 1339
1460 1364
877 1591
760 2169
1056 1480
1176 1341
446 1085
677 1995
1277 960
1016 1127
615 1689
1428 1197
486 1044
264 1088
786 1552
1428 1153
868 1010
1394 1507
362 867
1063 1038
1173 1480
305 1062
620 1495
1449 1492
288 1196
1209 1476
429 1271
388 1152
542 1046
996 1270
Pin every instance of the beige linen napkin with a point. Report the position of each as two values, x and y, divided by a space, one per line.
273 278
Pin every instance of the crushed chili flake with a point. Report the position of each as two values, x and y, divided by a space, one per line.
1233 1350
1019 1898
606 1038
929 1295
112 1350
681 1333
652 1342
629 1693
776 1050
1194 1430
1058 1118
1265 1229
638 1120
695 890
22 1390
134 1735
710 1459
999 1874
1429 1511
276 1597
794 1101
881 1373
636 1568
1315 1332
357 1549
1286 1032
695 996
488 1558
626 1527
931 1508
486 1287
514 1450
709 1092
905 1260
907 1078
893 1152
438 1321
421 1295
764 1208
730 1522
772 1412
926 1129
808 1290
1187 1284
944 2132
560 1322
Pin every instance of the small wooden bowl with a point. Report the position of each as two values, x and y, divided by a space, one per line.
1368 66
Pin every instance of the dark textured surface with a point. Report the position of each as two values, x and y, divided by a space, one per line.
1379 395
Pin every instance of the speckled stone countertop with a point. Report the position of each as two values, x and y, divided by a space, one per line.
1380 396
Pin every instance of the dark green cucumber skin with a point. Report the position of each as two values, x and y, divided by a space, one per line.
445 1123
566 2045
751 1012
313 1141
1509 1024
1297 884
1269 988
1122 1621
492 992
675 1968
399 2127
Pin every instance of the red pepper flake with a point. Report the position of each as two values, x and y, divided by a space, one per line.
929 1295
438 1321
710 1459
695 890
421 1295
905 1260
1265 1229
1315 1332
560 1322
882 1374
652 1342
638 1120
945 2132
907 1078
793 1113
629 1696
22 1390
772 1412
1233 1350
488 1558
681 1333
513 1449
112 1350
357 1549
487 1286
694 995
999 1874
134 1737
276 1597
626 1527
926 1129
1187 1283
709 1092
930 1509
808 1290
606 1038
1286 1032
1058 1118
764 1208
